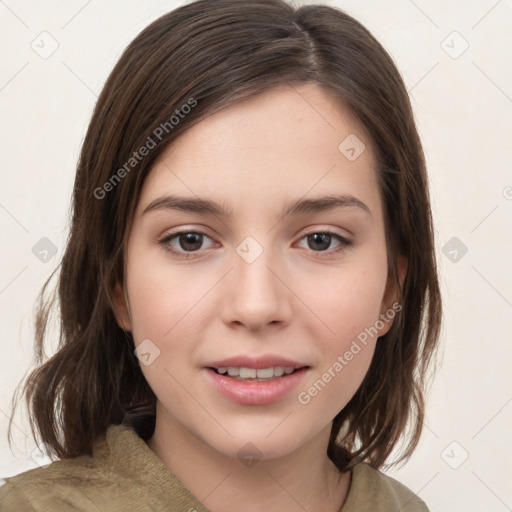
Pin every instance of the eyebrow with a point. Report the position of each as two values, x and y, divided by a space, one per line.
296 207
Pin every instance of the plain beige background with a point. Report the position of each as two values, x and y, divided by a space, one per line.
455 59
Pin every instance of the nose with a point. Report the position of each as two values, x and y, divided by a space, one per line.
257 294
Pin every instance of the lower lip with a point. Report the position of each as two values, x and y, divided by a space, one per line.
255 393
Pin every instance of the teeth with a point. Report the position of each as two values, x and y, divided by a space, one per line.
247 373
263 373
253 373
278 371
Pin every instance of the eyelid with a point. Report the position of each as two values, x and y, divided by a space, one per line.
305 231
318 228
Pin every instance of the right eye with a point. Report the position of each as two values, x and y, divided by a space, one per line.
188 241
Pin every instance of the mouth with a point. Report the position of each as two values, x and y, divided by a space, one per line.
255 380
247 374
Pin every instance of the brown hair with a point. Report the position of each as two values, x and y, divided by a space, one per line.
211 54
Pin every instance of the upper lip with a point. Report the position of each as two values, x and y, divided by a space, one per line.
257 362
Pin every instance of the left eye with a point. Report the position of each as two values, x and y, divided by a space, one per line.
322 241
190 242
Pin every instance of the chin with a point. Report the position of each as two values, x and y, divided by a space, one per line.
251 442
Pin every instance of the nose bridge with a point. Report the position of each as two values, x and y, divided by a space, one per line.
257 295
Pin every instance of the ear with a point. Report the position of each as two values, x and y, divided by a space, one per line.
390 304
121 310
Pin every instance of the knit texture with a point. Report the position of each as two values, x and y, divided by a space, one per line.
125 474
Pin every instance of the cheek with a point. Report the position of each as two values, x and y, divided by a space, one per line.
349 309
328 392
163 299
347 302
343 357
165 309
168 308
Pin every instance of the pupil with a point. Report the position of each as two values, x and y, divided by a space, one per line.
191 238
317 238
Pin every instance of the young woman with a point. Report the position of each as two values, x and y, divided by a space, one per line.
249 299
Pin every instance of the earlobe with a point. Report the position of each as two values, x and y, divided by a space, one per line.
402 265
390 302
392 293
121 311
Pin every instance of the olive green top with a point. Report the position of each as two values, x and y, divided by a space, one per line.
124 474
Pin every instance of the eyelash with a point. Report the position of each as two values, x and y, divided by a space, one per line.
165 242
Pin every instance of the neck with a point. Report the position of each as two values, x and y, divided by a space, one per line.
303 480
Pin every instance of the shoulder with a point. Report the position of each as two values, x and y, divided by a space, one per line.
81 483
30 490
122 474
372 490
68 479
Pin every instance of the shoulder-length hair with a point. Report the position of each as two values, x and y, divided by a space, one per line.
208 55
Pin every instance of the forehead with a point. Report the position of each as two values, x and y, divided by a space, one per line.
286 142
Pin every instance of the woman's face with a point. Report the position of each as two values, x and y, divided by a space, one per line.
281 279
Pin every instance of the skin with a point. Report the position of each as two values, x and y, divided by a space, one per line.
298 299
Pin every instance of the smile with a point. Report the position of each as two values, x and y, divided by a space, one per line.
255 374
255 390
